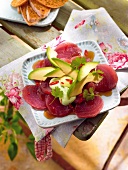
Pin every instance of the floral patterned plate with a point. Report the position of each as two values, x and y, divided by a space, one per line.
109 102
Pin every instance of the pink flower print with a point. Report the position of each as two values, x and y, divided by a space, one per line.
94 22
13 96
44 47
58 40
106 48
123 42
117 60
79 24
13 80
13 86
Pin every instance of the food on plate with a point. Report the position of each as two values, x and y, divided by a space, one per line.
23 10
32 16
53 3
110 78
33 97
69 82
18 10
33 11
40 9
17 3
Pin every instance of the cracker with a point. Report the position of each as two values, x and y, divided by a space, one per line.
18 10
23 10
40 9
52 3
32 16
17 3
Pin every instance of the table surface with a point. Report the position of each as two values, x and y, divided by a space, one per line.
34 37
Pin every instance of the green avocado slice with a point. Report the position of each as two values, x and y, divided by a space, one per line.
51 54
39 73
85 69
76 87
55 73
64 66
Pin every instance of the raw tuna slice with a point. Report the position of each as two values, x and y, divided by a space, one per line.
80 98
68 50
90 108
31 96
109 80
42 63
44 86
56 108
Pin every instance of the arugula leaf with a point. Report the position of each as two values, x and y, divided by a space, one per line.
77 62
56 92
89 95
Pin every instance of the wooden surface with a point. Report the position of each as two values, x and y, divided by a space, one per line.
35 37
10 48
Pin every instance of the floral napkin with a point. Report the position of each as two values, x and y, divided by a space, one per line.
82 25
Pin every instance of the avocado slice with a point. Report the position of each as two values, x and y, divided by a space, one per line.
39 73
51 54
85 69
55 73
73 74
76 87
64 66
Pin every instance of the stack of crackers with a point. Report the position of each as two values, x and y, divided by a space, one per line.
35 10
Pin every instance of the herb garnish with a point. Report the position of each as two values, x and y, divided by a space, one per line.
56 92
97 74
89 94
78 62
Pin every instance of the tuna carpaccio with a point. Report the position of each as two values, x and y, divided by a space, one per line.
39 95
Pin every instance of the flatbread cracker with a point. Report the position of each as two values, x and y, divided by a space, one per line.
40 9
32 15
17 3
23 10
18 10
52 3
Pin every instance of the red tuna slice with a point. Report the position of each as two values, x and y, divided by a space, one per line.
109 80
30 95
47 63
80 98
56 108
68 50
90 85
90 108
42 63
44 86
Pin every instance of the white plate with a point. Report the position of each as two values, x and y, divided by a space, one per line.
109 102
7 12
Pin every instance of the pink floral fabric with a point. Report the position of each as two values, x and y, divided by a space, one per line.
116 59
13 85
43 148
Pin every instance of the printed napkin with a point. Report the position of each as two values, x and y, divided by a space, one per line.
82 25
